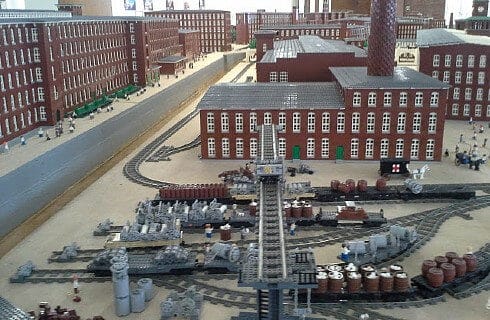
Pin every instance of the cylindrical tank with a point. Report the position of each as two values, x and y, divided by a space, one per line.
354 282
435 277
371 282
426 265
344 188
335 282
225 234
449 271
381 184
120 284
146 284
362 185
460 265
401 282
322 280
350 268
471 262
366 269
351 184
307 210
386 282
137 300
287 210
252 208
395 268
451 255
334 185
296 210
440 260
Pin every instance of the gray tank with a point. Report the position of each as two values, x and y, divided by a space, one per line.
120 283
187 305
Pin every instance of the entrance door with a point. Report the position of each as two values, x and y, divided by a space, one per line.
339 153
58 115
296 152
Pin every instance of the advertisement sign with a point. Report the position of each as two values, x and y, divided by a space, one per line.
148 4
130 5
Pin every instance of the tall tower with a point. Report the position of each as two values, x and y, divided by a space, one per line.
307 6
170 5
382 40
480 8
317 6
326 6
201 5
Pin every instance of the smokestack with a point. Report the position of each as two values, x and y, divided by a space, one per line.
307 6
382 40
326 6
451 21
202 6
317 6
295 4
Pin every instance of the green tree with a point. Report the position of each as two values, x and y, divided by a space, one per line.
252 44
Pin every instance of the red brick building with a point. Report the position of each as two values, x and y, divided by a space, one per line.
407 27
306 59
460 60
190 42
479 22
214 26
52 66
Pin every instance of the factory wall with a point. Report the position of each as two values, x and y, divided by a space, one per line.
36 183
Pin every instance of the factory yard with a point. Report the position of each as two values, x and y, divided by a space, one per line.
115 197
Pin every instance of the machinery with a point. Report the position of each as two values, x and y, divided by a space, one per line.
222 257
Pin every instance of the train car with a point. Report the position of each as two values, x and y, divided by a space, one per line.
351 214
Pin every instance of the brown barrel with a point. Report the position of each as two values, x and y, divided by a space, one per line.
334 185
344 188
362 185
351 184
381 184
440 260
460 265
334 268
307 211
366 269
287 210
386 282
371 282
335 282
350 268
451 255
471 262
354 282
322 280
296 210
449 271
225 234
401 282
252 208
395 268
426 265
435 277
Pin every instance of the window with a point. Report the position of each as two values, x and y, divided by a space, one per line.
225 148
133 53
370 122
455 109
467 94
447 60
239 148
34 35
481 77
419 99
469 77
354 148
253 147
436 59
456 93
326 122
267 118
325 148
447 76
402 118
264 47
384 148
369 148
488 111
435 74
40 94
273 77
356 119
471 61
311 122
457 77
414 149
211 148
399 148
372 99
483 61
479 94
42 113
387 99
283 76
310 148
386 123
296 122
225 122
356 101
239 122
340 122
39 75
432 122
466 110
36 54
459 60
282 147
253 122
429 150
478 108
403 99
282 121
434 99
210 121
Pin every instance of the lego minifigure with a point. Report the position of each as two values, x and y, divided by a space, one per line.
208 230
344 255
292 229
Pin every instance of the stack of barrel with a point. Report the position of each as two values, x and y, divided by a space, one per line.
349 186
193 191
298 209
225 232
444 269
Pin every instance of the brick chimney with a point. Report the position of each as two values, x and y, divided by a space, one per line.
382 40
307 6
451 21
317 6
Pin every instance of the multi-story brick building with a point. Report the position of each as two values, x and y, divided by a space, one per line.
214 26
86 7
50 66
422 8
460 60
479 22
407 27
355 6
190 42
32 14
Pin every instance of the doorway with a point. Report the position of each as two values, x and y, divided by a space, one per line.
296 153
339 153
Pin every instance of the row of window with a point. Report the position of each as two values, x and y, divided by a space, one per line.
317 32
446 77
311 148
478 111
388 99
92 45
88 30
12 124
82 63
468 94
21 78
11 58
401 122
436 61
22 99
13 37
283 76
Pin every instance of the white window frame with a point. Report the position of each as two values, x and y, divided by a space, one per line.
434 99
325 148
296 122
311 122
273 76
356 120
455 109
456 93
370 122
471 61
459 60
239 147
481 77
282 121
239 122
369 153
447 60
399 148
210 121
432 127
478 109
469 77
387 99
466 109
403 99
356 100
341 122
325 122
267 118
282 147
429 150
457 77
211 148
283 76
385 127
354 148
446 78
225 147
253 147
467 93
419 99
479 94
401 122
483 61
372 99
253 122
414 149
436 60
310 148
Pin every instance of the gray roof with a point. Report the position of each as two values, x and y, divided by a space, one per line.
78 19
287 95
309 44
356 77
444 37
171 59
188 30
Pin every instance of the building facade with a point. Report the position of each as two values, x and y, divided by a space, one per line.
86 7
460 60
422 8
49 67
190 42
479 22
214 26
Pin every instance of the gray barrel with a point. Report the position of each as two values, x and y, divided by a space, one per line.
413 186
146 284
120 283
137 300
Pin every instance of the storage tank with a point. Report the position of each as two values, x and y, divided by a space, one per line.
307 210
287 209
371 282
386 282
354 282
137 300
460 266
401 282
335 282
471 262
381 184
120 284
146 284
322 280
351 184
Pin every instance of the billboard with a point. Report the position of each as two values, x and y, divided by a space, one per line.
130 5
148 4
